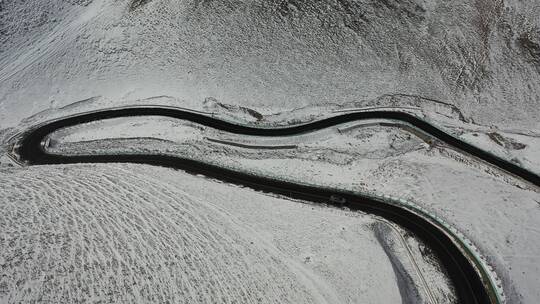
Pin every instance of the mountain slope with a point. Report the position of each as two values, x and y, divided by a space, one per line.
482 56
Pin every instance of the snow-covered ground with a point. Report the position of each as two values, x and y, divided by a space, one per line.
128 233
144 234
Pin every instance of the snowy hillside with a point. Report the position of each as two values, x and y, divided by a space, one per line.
482 56
137 233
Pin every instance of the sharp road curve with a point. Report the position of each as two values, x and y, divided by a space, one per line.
472 282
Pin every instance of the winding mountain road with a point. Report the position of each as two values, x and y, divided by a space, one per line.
472 281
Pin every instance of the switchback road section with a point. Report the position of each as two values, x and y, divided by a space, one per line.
469 274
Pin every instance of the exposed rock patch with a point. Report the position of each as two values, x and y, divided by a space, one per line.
530 43
506 142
